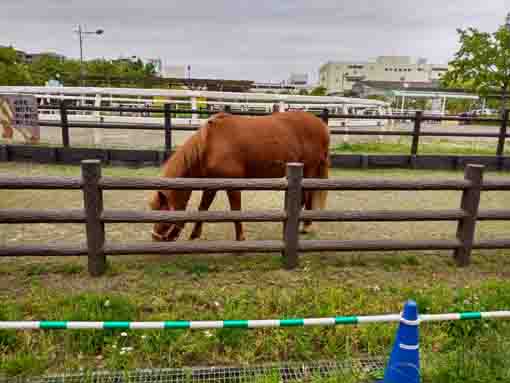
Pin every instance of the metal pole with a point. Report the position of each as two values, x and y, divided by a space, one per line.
81 53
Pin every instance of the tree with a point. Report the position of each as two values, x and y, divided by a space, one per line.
482 63
303 92
12 72
45 68
319 91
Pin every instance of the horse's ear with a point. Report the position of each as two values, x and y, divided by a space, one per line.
158 200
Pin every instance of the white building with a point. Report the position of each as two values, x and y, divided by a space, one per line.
174 71
338 77
298 79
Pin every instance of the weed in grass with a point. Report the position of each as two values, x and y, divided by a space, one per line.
68 268
23 364
91 307
36 269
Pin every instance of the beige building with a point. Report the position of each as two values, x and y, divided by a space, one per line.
338 77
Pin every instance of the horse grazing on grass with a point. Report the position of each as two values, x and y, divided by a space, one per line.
229 146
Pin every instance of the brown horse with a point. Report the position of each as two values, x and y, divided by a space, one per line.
228 146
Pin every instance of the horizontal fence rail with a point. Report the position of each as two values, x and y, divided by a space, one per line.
247 324
95 216
168 112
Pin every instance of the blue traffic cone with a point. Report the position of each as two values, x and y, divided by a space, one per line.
404 363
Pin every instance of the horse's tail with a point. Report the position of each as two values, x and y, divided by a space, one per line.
319 197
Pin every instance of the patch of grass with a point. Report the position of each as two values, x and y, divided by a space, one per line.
8 339
90 307
23 364
69 268
440 147
37 269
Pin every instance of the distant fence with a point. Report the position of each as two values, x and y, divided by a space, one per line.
94 216
168 111
71 155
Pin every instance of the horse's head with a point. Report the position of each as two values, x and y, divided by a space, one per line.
168 201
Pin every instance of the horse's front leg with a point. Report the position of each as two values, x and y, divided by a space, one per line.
205 203
234 198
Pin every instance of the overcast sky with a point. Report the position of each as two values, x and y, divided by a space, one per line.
261 40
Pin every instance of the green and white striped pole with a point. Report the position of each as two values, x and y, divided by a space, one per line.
275 323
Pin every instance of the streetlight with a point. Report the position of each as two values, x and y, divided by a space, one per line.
80 33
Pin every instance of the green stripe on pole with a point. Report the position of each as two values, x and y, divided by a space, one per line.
116 325
346 320
292 322
45 325
177 324
468 316
235 324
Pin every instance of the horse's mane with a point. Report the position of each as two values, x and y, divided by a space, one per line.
186 160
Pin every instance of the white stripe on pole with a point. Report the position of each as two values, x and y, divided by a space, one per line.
319 322
85 325
439 317
264 323
207 324
496 314
20 325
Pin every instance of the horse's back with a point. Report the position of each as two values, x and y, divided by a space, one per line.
261 146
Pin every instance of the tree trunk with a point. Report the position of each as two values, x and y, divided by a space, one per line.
503 98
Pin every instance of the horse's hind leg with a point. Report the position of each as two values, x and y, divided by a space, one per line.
205 203
307 225
234 198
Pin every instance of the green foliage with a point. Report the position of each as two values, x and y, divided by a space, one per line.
482 63
92 307
99 72
12 72
319 91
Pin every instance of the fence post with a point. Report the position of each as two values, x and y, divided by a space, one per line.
416 133
325 115
168 128
293 197
4 154
502 137
469 204
93 202
64 123
227 109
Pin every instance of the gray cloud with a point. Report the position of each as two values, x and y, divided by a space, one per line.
262 40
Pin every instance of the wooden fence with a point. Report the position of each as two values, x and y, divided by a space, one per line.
95 216
168 111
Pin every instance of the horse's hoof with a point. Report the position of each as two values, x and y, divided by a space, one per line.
308 229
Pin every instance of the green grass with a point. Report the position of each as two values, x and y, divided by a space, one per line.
404 147
472 345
